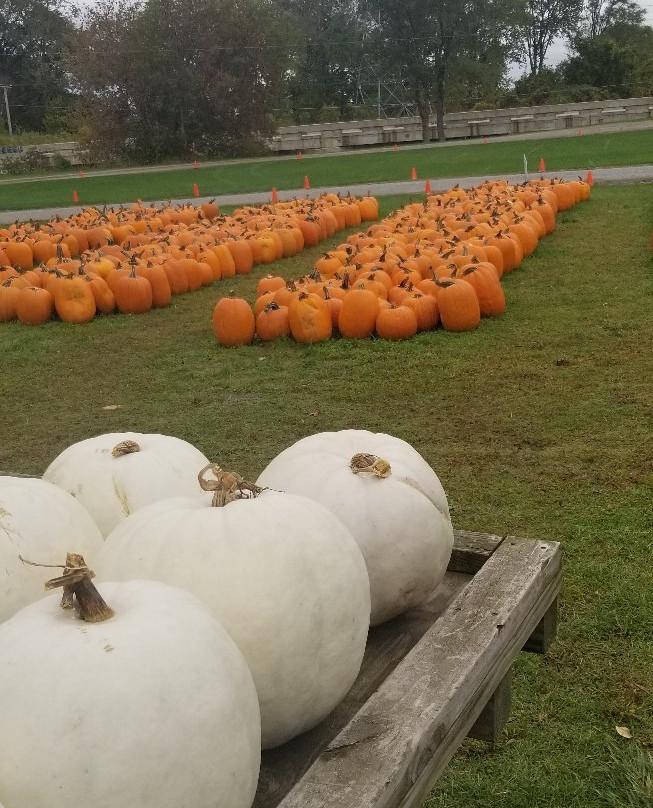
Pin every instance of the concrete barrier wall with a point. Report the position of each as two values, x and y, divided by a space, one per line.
385 131
67 150
479 123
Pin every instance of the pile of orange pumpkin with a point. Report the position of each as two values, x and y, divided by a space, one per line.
430 263
134 259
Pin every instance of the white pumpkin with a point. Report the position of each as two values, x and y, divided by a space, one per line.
39 522
282 575
154 707
113 475
396 510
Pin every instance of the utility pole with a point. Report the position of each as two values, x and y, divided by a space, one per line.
5 87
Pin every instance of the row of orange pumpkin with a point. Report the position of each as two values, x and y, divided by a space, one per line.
440 261
135 259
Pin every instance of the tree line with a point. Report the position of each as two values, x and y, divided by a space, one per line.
160 78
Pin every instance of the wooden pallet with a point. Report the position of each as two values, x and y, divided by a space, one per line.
429 679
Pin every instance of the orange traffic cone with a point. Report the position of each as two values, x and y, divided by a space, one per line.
75 197
195 164
590 178
542 167
196 190
580 133
427 187
307 184
299 155
81 174
413 173
274 197
140 201
486 140
395 147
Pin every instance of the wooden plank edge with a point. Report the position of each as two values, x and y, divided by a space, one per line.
372 751
460 728
471 550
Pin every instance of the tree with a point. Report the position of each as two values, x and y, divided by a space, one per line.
598 15
619 60
545 20
180 77
33 34
325 71
428 41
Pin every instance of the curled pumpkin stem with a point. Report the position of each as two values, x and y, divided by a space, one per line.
227 486
124 448
79 591
362 463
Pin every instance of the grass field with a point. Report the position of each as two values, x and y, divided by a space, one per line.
538 424
478 159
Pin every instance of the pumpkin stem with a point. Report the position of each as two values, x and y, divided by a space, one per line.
227 486
79 591
362 463
124 448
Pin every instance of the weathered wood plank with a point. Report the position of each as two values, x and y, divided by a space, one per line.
387 645
471 550
545 632
393 750
494 716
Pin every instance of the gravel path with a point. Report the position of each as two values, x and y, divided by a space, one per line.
603 176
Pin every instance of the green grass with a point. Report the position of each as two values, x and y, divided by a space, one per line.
538 424
590 151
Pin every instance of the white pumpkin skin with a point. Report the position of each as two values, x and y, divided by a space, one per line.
113 487
41 523
281 574
400 522
153 708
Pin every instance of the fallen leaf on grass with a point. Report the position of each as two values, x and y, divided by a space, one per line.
624 732
112 407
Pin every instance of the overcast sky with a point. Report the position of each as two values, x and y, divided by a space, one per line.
558 51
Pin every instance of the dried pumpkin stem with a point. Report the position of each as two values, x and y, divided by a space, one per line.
124 448
79 591
227 486
370 464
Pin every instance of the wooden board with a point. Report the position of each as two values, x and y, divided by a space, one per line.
426 678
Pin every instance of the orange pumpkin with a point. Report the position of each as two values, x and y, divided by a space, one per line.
309 318
233 321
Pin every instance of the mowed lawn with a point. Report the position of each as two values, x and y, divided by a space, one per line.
452 160
538 424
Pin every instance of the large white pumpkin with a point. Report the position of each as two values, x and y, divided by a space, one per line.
283 576
113 475
39 522
397 510
153 708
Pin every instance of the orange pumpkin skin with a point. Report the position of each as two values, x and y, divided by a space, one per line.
309 318
357 318
425 308
177 277
20 254
491 298
34 305
234 323
133 294
74 301
8 296
105 302
242 256
458 306
272 322
269 283
396 322
161 292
